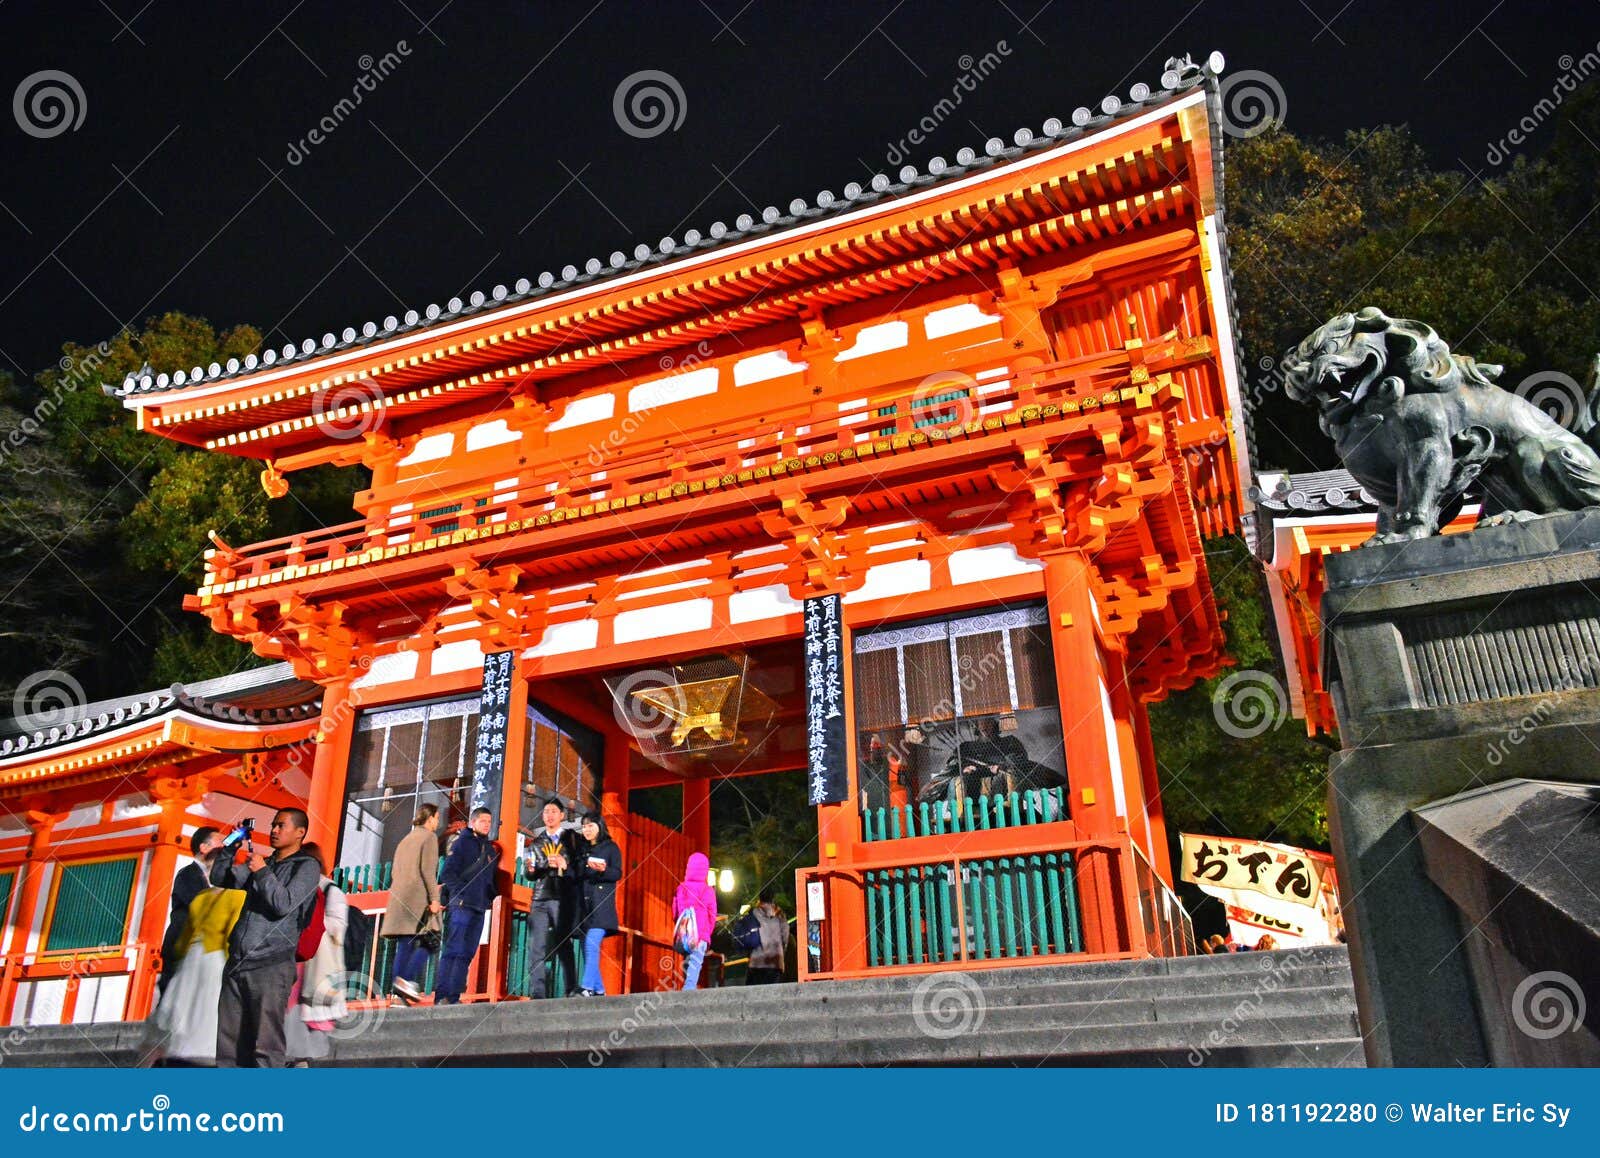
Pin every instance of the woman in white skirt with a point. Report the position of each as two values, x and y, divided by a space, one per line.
184 1026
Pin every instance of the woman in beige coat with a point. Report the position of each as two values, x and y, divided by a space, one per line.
414 908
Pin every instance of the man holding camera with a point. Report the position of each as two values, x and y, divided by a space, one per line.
280 893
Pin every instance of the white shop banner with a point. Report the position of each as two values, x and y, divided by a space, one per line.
1279 871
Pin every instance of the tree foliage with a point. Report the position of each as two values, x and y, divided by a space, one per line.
1499 264
1232 762
105 526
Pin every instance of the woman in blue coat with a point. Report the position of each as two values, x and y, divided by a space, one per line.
598 875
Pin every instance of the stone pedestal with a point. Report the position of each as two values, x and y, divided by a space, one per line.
1455 663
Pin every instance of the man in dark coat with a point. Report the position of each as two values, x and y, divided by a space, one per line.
280 893
553 861
468 889
193 879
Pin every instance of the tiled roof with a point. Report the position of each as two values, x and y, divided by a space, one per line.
267 695
1181 75
1316 493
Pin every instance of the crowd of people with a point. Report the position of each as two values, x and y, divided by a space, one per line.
256 960
1217 943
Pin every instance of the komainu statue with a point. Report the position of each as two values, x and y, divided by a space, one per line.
1417 426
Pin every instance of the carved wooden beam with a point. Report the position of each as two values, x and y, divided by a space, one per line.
819 559
508 618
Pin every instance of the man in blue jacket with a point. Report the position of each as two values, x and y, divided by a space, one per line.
467 887
279 895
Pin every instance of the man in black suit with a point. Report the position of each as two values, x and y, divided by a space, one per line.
193 879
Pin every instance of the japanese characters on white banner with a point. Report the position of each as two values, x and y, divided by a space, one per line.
494 715
1291 893
1279 871
828 776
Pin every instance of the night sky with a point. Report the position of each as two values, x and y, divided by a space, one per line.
489 149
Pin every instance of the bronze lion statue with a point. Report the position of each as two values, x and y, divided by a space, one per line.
1417 426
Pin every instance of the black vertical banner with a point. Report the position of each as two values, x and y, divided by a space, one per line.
828 777
494 715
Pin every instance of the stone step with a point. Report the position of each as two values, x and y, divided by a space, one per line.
1329 1010
1284 1040
761 1004
1001 986
1292 1007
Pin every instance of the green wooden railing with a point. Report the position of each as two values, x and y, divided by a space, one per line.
974 814
1023 906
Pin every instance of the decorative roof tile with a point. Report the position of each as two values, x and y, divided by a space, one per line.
267 695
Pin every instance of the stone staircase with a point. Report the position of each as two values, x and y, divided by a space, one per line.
1288 1008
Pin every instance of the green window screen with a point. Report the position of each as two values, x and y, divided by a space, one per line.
7 879
91 907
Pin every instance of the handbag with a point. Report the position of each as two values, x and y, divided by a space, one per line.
747 932
427 939
311 935
686 932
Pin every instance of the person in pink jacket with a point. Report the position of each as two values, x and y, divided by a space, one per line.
696 894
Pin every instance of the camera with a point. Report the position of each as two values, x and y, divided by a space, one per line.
240 833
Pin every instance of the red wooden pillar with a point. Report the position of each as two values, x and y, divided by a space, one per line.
697 813
175 798
325 800
616 774
1134 784
1160 852
27 907
1090 765
838 834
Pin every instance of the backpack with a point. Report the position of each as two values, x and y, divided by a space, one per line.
311 935
686 933
358 932
747 932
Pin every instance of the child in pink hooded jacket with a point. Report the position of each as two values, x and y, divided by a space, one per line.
696 894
